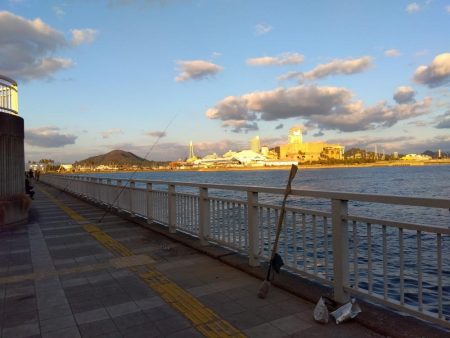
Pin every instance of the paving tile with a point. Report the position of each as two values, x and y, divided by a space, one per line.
97 328
149 303
122 309
20 331
115 299
91 316
148 330
87 305
245 320
265 331
54 311
291 324
15 319
160 312
130 320
58 323
187 333
69 332
172 324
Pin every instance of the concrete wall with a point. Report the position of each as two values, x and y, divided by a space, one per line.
12 160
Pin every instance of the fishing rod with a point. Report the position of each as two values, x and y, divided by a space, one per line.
108 210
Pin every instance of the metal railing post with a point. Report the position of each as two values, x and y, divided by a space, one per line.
108 189
132 185
172 208
117 196
203 217
149 203
339 210
253 233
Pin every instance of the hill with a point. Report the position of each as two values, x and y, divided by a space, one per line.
115 157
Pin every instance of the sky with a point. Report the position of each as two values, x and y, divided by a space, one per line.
149 76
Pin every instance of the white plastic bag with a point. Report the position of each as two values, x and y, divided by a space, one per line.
321 312
346 311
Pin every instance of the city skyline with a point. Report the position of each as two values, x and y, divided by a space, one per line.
132 75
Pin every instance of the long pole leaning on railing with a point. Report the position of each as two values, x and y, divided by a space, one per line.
264 290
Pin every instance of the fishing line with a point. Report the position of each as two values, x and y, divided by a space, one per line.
108 210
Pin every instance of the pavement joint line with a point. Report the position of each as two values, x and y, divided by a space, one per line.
206 321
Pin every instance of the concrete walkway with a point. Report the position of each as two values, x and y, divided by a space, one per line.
65 275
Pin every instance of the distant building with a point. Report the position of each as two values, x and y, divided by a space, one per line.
255 145
191 156
295 149
395 156
416 157
295 135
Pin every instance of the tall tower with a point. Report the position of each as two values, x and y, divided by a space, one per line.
12 159
376 153
191 150
255 144
295 135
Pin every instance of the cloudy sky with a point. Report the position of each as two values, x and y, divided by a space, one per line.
149 76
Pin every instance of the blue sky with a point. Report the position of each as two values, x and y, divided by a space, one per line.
100 75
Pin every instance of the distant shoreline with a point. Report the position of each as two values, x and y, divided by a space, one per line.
287 167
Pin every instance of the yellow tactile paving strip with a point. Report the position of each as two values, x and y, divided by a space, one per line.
204 319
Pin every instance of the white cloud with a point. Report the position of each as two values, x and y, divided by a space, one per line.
413 7
158 134
110 132
436 74
404 94
280 60
85 35
261 29
391 53
339 66
59 12
196 70
443 121
335 67
28 47
48 137
327 107
238 126
447 8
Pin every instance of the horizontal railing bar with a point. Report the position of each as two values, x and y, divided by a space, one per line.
404 225
296 210
384 199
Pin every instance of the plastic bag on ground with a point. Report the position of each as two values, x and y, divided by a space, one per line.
346 311
321 312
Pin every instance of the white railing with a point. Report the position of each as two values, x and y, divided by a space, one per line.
9 102
401 264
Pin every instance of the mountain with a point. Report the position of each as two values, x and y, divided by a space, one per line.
115 157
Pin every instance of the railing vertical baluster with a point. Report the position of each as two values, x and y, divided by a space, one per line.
204 219
355 254
118 189
305 257
439 275
171 207
294 234
131 190
369 258
149 203
234 224
285 239
325 241
314 234
419 270
261 230
402 264
108 195
253 233
222 220
339 209
385 272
